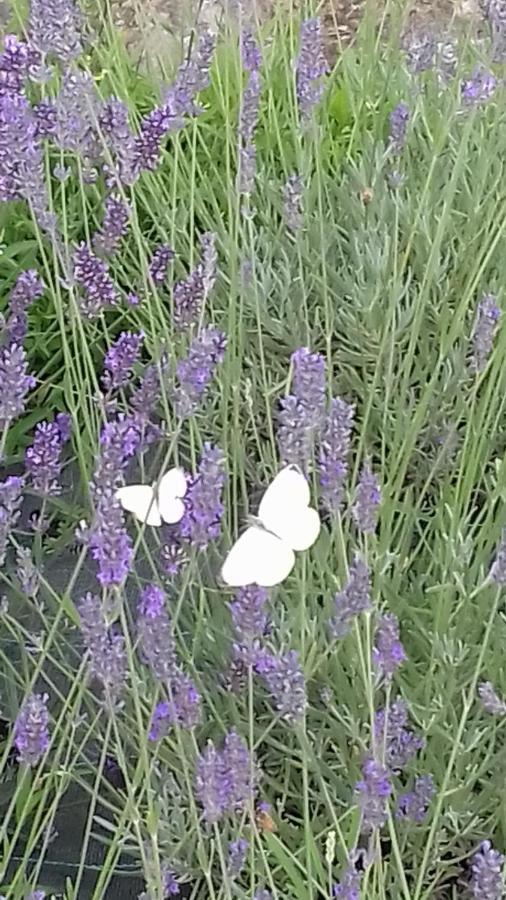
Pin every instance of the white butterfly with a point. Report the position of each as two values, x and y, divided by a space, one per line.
264 554
154 505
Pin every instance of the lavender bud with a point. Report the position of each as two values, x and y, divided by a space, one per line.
154 628
15 63
15 383
413 805
119 141
115 225
367 500
310 68
196 371
190 294
398 742
251 56
31 729
204 508
248 120
107 661
55 28
293 209
43 459
99 290
76 116
334 450
10 502
26 572
354 599
498 568
120 360
226 779
193 77
285 682
373 789
173 559
27 289
486 880
490 701
388 653
486 324
421 52
249 617
303 412
398 120
479 88
182 709
237 851
159 265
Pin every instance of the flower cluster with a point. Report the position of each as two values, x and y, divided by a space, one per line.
107 661
10 502
310 68
98 288
249 617
16 383
486 880
303 411
115 225
251 58
490 701
479 88
413 805
120 360
55 28
43 459
204 508
190 294
286 684
31 729
398 120
397 742
388 653
225 779
367 501
373 790
354 599
485 328
293 203
159 264
196 371
27 289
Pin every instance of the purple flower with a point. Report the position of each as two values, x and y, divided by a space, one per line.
27 289
119 141
10 501
348 887
115 225
248 118
98 288
15 383
27 572
183 708
486 324
478 88
310 68
490 701
36 895
190 294
156 641
498 568
354 599
173 558
250 622
105 645
154 128
309 383
204 508
193 77
421 52
302 412
196 371
31 729
398 120
120 360
388 653
367 500
171 885
285 682
373 790
398 743
55 28
413 805
146 396
43 459
15 63
225 780
293 209
159 265
486 880
76 114
237 851
334 450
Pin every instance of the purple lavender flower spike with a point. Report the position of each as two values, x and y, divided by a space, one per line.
249 617
16 382
31 729
392 736
293 208
15 62
190 294
43 459
285 682
171 884
479 88
367 501
348 887
490 700
240 773
173 558
498 568
237 851
309 383
27 572
156 641
107 661
373 790
119 143
251 56
248 119
28 288
485 327
310 68
495 12
55 28
334 450
201 522
183 708
120 360
421 52
225 780
388 653
486 879
115 226
210 784
354 599
398 120
302 412
413 805
195 372
98 288
193 76
159 264
76 116
10 502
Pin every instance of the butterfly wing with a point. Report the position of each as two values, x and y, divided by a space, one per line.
257 557
140 500
285 510
171 489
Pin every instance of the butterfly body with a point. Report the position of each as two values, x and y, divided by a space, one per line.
153 505
265 553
